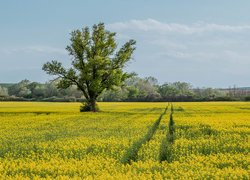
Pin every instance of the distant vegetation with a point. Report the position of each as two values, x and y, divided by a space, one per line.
135 89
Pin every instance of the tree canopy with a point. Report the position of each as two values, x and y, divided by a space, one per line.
97 64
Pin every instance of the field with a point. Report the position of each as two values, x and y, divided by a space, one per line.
124 141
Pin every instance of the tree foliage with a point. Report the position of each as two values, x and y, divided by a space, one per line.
96 63
175 89
3 91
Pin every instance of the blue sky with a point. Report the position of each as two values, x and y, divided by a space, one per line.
205 43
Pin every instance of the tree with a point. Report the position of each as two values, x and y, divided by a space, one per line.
147 90
3 92
142 89
37 90
176 91
20 89
209 93
167 90
183 88
116 94
152 80
96 64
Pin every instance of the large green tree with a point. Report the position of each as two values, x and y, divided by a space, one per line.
97 64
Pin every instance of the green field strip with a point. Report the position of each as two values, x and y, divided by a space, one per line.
132 152
149 150
166 147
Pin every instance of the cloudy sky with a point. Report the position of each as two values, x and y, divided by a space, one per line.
206 43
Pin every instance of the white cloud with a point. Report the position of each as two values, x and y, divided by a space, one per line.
33 49
46 49
154 25
201 53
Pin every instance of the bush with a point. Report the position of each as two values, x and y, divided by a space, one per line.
247 98
13 98
224 98
87 107
58 99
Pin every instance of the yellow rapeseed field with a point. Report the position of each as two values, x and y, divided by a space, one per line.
56 141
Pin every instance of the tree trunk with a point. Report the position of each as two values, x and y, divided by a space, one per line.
93 105
89 105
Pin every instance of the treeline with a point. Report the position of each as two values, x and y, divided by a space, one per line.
135 89
34 91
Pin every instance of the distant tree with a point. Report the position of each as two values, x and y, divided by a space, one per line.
167 90
116 94
72 91
37 90
32 86
152 80
183 88
209 93
133 92
176 89
51 89
3 91
144 89
20 89
96 64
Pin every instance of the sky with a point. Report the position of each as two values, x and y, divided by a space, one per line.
205 43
